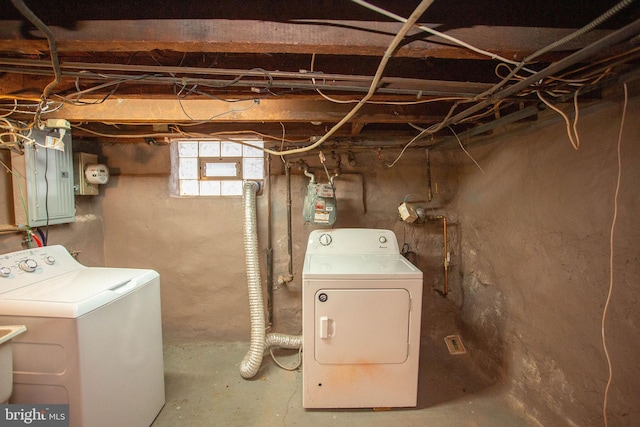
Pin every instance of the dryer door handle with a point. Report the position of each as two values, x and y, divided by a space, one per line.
324 327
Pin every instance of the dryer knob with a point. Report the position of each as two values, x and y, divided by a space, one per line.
325 239
28 265
5 271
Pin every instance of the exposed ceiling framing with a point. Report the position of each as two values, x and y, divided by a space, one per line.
136 70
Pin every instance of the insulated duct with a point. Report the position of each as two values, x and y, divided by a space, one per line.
259 339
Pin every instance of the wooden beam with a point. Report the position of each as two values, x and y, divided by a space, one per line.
128 110
356 128
219 77
263 37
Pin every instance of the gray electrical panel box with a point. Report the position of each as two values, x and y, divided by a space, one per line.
43 180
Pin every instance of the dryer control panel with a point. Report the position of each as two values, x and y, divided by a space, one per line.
353 241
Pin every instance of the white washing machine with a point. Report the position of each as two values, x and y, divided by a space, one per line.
361 310
93 340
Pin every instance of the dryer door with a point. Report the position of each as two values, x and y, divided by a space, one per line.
361 326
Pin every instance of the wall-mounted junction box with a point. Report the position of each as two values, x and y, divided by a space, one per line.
43 180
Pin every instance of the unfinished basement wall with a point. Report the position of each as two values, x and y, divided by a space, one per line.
535 231
196 244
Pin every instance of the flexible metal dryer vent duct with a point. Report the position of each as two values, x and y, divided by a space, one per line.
260 340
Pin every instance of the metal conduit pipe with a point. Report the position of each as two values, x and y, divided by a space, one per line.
53 49
289 232
269 251
617 36
445 258
445 261
259 339
284 279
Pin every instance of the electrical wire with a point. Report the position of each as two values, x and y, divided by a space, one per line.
53 51
430 130
611 257
465 150
124 136
13 110
184 92
353 101
178 132
282 143
241 132
13 125
14 132
254 102
20 98
415 15
608 59
14 135
287 368
535 79
43 238
572 130
34 237
439 34
590 26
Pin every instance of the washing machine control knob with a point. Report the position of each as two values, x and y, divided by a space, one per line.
5 271
325 239
29 265
50 260
382 239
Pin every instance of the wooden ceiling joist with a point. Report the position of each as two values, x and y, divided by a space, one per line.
129 110
263 37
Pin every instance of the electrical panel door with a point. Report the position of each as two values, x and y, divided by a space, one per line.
43 191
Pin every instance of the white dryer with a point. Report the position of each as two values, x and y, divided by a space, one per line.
362 303
93 340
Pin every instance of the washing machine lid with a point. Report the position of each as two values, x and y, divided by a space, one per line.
358 266
75 293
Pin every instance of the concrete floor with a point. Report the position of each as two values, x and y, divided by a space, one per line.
204 388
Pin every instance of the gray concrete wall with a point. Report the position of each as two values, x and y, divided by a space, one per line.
535 231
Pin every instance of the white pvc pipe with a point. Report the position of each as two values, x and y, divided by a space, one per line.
259 339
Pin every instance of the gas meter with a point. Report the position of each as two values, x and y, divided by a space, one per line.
320 204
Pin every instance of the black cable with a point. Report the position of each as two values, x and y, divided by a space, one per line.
53 50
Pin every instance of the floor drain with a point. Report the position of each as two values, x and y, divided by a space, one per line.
454 344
